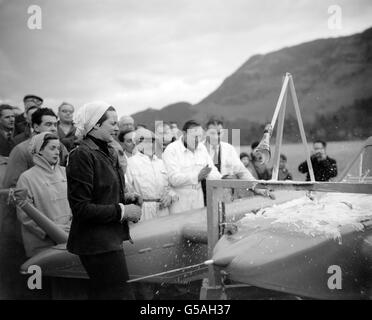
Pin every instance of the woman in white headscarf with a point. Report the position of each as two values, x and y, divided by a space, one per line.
96 195
47 190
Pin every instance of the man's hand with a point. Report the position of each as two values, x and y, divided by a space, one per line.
264 193
269 129
229 176
17 196
203 174
134 198
20 194
165 200
132 212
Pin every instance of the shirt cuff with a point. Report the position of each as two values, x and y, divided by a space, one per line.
122 216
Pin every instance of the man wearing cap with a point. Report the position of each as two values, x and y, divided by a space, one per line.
146 175
22 128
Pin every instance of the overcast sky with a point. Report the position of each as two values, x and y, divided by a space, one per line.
137 54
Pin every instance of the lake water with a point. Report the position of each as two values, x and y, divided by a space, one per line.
341 151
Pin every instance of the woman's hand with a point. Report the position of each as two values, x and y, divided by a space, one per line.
65 228
132 212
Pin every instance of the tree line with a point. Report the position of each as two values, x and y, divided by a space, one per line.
352 122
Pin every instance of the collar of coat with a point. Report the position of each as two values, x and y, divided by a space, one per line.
40 161
88 142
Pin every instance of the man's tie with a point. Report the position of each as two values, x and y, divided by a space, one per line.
9 136
215 155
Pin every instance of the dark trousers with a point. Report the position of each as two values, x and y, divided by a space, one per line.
108 274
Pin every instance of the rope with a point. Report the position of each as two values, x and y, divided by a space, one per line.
205 263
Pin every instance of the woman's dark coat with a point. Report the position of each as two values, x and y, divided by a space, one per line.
95 186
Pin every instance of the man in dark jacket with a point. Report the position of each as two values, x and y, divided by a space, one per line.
6 129
324 167
20 159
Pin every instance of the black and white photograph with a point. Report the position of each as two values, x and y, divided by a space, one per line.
185 155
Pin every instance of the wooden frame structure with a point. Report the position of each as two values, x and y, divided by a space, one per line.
280 110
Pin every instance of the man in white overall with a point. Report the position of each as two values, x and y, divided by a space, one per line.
188 163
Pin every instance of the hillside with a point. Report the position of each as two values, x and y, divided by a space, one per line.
328 74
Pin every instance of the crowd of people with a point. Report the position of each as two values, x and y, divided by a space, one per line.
93 175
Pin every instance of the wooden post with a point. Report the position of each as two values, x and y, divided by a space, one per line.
214 194
279 139
280 100
302 130
366 144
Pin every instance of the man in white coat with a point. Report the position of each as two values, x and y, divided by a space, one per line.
188 163
147 176
225 157
223 154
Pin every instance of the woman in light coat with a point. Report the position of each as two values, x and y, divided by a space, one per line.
47 190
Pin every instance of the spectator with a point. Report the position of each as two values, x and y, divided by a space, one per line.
283 173
177 133
20 159
126 139
224 154
245 159
66 128
163 136
126 123
6 129
147 176
23 127
224 157
324 167
96 195
47 190
188 163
